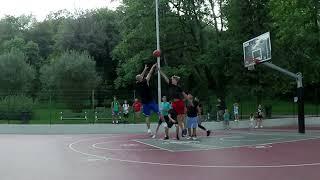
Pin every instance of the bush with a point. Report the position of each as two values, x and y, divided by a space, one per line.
12 107
16 103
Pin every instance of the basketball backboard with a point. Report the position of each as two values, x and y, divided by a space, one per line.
257 49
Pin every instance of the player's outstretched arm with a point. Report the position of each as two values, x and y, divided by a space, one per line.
165 77
144 70
150 72
185 95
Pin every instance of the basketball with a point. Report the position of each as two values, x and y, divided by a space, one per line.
156 53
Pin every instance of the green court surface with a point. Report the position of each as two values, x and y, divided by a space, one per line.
241 139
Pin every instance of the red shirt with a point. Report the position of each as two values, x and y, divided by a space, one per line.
137 106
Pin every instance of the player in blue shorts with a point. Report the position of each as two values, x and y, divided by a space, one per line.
145 92
192 117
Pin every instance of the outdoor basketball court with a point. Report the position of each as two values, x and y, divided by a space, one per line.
122 152
236 154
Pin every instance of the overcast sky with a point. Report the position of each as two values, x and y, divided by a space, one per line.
41 8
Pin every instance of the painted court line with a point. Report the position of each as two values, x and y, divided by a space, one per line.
184 165
262 133
191 144
136 140
215 147
122 149
247 140
204 147
243 146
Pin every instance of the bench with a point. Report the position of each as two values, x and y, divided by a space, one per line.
73 115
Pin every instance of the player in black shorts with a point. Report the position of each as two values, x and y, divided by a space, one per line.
170 120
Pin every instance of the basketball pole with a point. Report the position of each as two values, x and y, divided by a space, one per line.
298 77
158 48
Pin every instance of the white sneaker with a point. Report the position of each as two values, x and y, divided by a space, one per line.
194 138
256 127
154 136
117 122
112 122
149 131
261 126
188 138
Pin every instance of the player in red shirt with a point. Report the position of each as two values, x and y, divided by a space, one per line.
137 107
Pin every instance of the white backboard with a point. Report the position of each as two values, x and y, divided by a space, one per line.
258 48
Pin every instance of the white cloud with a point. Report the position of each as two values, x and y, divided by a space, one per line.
41 8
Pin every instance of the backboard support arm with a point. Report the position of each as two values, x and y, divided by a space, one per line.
300 93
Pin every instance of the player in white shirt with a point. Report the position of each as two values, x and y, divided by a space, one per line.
259 117
236 112
125 111
251 121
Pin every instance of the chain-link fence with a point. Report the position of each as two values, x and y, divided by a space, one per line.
81 107
272 108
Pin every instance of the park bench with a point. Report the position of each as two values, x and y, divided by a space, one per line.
73 116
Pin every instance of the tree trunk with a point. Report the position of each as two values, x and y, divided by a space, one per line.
221 14
212 4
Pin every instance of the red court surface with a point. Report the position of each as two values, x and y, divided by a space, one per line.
120 157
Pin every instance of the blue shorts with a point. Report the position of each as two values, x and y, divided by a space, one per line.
146 108
192 122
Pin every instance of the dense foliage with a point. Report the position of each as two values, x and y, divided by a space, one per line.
201 41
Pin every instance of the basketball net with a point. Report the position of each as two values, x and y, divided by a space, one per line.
251 68
251 62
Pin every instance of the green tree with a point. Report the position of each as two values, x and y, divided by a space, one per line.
73 76
245 20
179 37
30 49
11 26
16 75
297 34
95 32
